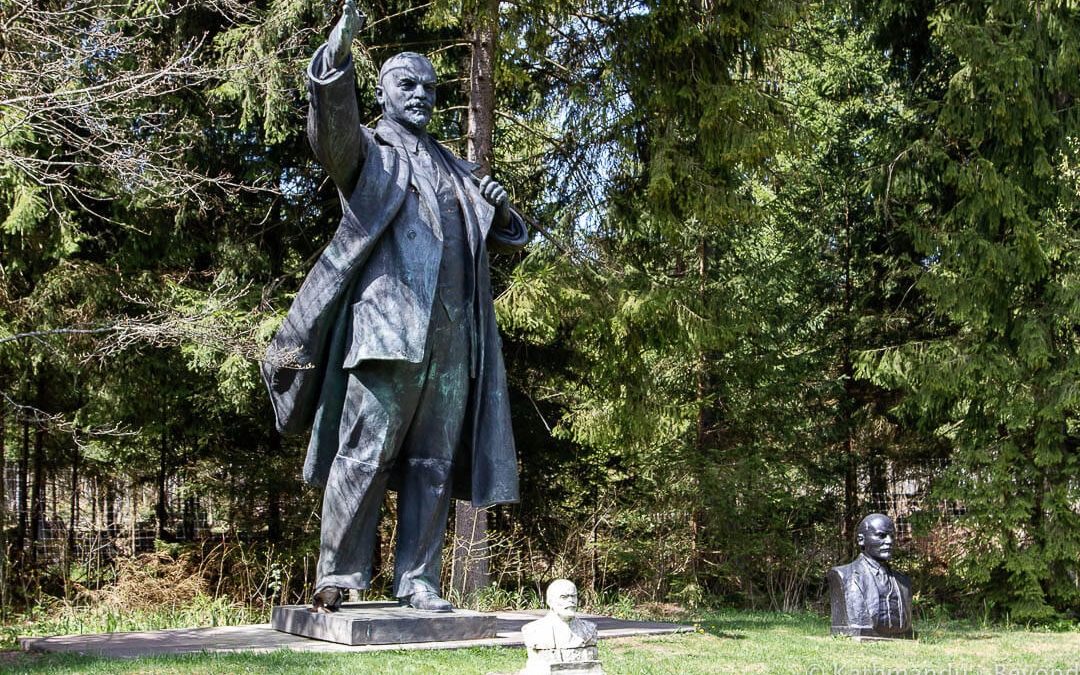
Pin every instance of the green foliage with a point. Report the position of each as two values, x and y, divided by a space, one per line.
788 250
266 59
983 188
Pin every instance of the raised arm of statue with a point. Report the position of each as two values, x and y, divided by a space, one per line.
339 45
333 127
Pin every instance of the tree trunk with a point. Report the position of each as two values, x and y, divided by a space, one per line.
274 529
3 518
707 416
189 518
134 516
273 514
102 501
482 87
73 516
3 486
878 482
851 493
93 505
37 496
110 507
162 508
471 568
851 476
22 487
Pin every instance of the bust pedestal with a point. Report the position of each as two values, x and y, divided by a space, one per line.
558 646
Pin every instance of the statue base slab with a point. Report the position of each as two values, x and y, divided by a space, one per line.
861 634
380 623
577 668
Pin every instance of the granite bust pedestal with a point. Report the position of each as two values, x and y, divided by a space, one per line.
870 599
390 354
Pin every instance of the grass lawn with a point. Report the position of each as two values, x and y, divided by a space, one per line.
727 642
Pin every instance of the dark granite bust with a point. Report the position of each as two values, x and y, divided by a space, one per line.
869 598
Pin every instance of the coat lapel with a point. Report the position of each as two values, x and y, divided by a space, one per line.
404 143
482 210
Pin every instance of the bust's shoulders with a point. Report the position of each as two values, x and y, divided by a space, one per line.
584 629
535 625
842 571
539 634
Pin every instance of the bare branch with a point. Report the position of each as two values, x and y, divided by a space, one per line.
219 325
83 92
57 422
57 331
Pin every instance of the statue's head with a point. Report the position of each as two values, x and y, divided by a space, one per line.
562 598
875 536
406 90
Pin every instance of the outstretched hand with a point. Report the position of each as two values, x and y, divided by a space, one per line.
339 46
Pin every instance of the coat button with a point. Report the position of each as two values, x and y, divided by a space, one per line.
412 234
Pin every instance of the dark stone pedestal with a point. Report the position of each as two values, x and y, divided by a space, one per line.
379 623
863 634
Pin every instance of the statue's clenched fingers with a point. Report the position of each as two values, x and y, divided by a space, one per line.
354 19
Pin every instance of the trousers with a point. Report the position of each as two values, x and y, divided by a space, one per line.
404 419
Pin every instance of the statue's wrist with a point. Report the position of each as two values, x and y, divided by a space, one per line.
503 214
334 61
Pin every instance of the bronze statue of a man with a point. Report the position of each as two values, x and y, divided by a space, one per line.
869 598
400 375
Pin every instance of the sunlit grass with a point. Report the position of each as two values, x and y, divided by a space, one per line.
59 618
726 641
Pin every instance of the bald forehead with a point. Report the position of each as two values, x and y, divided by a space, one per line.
414 65
877 522
561 587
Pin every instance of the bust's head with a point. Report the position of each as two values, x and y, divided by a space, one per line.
406 90
562 598
875 536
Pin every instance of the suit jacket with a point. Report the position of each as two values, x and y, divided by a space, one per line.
370 294
551 632
855 599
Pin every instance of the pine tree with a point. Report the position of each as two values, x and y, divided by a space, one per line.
985 187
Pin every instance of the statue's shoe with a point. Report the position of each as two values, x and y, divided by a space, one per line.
428 601
327 600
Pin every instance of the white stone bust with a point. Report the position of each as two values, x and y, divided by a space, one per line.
560 637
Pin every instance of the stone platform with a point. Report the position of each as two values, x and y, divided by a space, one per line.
382 623
263 638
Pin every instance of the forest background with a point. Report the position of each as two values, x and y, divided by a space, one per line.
793 262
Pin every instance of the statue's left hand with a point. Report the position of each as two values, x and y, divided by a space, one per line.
493 192
496 195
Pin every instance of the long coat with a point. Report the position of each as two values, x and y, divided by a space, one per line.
370 294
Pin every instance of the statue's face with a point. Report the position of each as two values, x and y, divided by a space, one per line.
562 599
407 93
876 537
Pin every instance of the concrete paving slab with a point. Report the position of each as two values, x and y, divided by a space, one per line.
262 638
